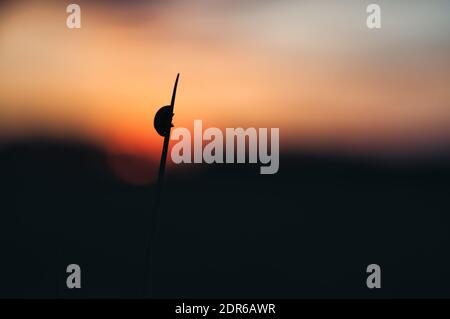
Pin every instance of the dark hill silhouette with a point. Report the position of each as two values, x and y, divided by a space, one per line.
225 230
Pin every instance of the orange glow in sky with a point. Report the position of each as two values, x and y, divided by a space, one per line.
312 70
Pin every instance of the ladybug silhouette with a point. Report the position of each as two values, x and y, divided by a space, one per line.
163 120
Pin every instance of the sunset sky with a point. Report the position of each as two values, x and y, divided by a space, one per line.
311 68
